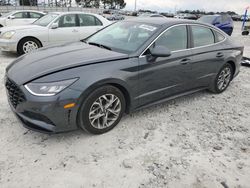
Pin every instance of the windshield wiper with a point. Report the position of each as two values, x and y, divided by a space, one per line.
100 45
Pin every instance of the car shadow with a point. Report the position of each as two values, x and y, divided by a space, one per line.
8 54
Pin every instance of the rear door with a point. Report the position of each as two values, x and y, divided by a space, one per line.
207 54
88 24
165 76
67 31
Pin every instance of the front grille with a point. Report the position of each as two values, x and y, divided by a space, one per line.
15 94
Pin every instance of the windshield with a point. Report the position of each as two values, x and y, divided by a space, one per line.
45 20
124 37
207 19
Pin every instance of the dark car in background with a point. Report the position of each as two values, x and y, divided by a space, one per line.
244 18
190 17
124 67
223 22
236 17
115 17
168 15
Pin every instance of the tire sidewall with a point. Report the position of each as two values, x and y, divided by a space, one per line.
83 115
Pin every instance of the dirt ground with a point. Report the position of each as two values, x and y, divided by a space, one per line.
201 140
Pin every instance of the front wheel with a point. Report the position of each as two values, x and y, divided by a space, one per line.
222 79
27 45
102 110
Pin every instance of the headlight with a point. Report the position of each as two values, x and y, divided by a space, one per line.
48 89
8 34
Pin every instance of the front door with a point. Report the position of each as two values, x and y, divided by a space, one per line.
67 30
165 76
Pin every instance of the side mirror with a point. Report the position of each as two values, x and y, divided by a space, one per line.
54 26
11 17
160 51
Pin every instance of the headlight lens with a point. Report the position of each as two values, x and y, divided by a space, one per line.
8 34
48 89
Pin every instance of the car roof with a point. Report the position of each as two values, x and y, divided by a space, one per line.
163 21
27 11
72 12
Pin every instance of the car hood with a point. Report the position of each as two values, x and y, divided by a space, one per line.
56 58
17 28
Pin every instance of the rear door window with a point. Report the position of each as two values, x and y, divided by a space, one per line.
88 20
35 15
202 36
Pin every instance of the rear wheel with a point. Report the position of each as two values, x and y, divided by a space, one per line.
222 79
27 45
102 110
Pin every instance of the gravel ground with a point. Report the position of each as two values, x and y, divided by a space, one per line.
201 140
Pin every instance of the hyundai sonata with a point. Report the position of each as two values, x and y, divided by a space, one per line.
124 67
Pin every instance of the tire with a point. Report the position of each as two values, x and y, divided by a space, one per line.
217 85
91 109
245 32
1 26
30 44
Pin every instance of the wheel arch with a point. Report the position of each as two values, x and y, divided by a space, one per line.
120 84
28 37
232 63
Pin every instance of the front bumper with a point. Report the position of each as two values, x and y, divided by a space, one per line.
47 114
8 45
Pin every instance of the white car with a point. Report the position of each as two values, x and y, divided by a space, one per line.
53 28
21 17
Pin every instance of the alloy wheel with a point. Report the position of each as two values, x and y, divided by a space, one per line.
224 78
105 111
29 46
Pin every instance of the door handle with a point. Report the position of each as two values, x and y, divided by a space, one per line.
220 54
185 61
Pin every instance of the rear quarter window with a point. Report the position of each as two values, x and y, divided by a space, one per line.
219 36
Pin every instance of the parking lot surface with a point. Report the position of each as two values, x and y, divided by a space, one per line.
201 140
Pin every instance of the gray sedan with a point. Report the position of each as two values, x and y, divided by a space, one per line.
124 67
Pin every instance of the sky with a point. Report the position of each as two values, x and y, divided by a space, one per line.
207 5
